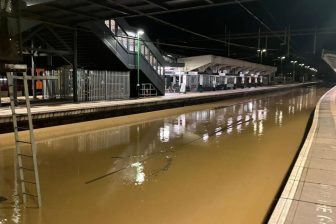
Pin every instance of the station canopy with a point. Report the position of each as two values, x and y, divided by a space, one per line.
219 64
79 11
330 58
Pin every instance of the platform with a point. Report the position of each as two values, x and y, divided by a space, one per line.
310 192
62 113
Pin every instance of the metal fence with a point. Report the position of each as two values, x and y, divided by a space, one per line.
103 85
91 85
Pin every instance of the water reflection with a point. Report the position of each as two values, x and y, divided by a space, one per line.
133 145
135 155
139 176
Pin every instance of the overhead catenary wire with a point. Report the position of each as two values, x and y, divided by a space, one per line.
182 28
177 45
257 18
264 24
276 21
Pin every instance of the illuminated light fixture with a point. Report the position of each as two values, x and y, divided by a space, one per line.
132 34
283 57
140 32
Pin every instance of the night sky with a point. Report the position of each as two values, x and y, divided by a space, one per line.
276 15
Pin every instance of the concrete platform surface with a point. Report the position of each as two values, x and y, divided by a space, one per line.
310 193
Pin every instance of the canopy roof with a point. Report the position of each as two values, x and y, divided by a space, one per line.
77 11
330 58
218 64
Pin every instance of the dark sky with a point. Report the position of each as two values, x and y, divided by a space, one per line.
299 14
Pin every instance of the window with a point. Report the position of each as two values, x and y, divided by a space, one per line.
6 6
108 23
113 25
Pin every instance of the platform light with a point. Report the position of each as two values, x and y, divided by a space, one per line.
260 54
140 32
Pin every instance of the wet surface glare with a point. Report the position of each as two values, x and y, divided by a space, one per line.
216 163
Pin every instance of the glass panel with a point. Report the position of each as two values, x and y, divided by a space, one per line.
154 63
131 44
159 69
150 58
107 23
143 48
122 37
147 54
136 44
125 42
119 34
113 25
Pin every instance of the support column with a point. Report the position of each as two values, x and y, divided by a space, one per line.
229 43
288 40
33 70
74 66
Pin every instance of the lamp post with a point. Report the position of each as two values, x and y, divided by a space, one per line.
294 63
281 67
139 33
302 66
261 51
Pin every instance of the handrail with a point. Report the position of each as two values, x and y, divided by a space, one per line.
134 39
127 56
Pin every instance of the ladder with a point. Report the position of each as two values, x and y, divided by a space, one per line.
26 159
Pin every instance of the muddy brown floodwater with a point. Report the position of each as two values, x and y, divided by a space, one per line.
214 163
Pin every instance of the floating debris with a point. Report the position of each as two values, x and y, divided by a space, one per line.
3 199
